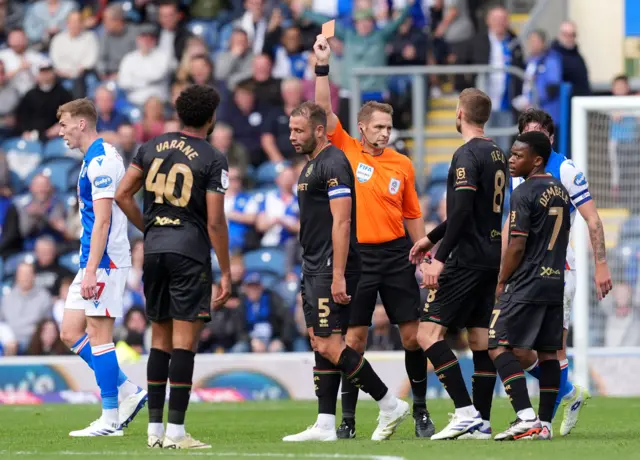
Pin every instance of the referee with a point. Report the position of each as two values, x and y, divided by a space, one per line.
387 202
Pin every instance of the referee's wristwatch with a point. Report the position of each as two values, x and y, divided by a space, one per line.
427 258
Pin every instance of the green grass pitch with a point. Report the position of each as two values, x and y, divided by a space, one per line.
608 430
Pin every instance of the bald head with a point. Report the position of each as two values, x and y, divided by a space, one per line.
498 20
567 34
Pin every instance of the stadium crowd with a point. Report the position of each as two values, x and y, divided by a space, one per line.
133 58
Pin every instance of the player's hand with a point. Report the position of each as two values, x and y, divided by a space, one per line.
339 290
88 287
603 280
224 292
420 249
431 274
322 50
499 290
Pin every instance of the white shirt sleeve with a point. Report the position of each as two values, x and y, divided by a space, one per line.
575 182
104 173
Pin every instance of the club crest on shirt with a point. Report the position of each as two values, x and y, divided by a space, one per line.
364 172
394 186
309 170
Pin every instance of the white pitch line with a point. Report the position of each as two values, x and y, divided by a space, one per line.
211 454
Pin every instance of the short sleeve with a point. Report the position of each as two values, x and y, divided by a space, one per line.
575 182
520 215
104 173
410 202
137 161
338 177
466 172
218 180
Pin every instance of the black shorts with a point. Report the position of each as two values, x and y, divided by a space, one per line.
526 325
465 297
386 270
320 311
177 287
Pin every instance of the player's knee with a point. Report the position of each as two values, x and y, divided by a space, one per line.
70 337
409 336
327 349
523 355
357 339
562 354
495 352
428 334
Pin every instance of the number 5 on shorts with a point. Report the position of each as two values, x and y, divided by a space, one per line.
323 307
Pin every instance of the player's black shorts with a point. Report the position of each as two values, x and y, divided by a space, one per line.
386 270
465 297
526 325
177 287
320 311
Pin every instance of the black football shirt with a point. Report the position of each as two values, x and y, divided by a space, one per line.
540 212
179 170
480 166
328 176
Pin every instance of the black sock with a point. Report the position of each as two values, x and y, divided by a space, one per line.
416 365
361 374
349 393
326 380
447 369
483 383
549 385
514 381
157 375
180 379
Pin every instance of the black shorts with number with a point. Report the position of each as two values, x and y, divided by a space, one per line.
386 270
465 297
532 326
177 287
320 311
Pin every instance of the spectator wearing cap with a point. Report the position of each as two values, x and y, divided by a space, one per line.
49 272
118 40
279 214
145 72
222 139
241 211
173 33
254 23
275 137
235 64
109 118
21 63
574 68
45 18
38 108
9 99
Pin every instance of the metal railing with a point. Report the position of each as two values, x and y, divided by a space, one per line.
419 100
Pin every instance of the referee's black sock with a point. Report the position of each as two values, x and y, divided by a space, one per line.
483 383
326 379
416 365
549 385
360 373
514 381
157 375
180 379
349 393
448 370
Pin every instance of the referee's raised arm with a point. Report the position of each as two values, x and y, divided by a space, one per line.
323 91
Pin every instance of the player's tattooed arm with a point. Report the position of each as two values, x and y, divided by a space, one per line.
602 277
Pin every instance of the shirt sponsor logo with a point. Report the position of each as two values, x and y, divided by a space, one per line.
364 172
394 186
102 182
580 179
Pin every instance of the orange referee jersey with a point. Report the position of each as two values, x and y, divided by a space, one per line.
385 190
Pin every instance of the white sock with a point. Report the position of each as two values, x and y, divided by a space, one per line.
388 402
532 367
570 395
326 421
155 429
127 389
546 424
486 425
467 412
527 414
175 432
110 416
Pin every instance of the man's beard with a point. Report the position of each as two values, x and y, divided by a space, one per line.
308 147
459 125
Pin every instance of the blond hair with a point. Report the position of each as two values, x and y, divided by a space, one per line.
82 108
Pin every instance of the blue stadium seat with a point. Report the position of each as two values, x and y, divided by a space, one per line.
206 30
16 182
72 178
71 260
133 113
11 263
630 229
288 290
439 173
265 261
436 192
56 148
271 281
267 172
57 170
258 194
19 145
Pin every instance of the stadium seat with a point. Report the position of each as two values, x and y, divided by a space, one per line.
71 260
265 261
258 194
19 145
56 148
16 183
224 35
11 263
630 230
57 170
268 171
205 30
439 173
288 290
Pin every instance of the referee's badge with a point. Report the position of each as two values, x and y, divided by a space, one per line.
364 172
394 186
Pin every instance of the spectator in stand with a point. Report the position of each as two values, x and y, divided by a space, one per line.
278 214
267 87
134 280
8 343
237 277
408 46
133 329
21 63
236 153
10 237
194 47
46 340
9 99
235 65
44 19
290 58
109 118
456 28
309 85
61 298
226 330
40 212
127 144
25 305
241 211
383 336
574 68
245 116
74 52
275 137
301 342
173 33
49 272
118 40
201 72
36 115
145 72
152 123
11 17
254 23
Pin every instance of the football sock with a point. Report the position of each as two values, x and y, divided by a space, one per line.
349 393
416 366
483 383
105 365
180 378
326 379
157 375
515 383
549 385
360 373
448 371
534 370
